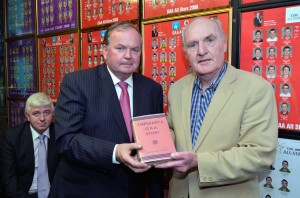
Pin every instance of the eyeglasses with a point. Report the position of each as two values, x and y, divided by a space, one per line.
38 114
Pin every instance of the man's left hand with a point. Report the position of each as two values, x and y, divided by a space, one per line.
182 161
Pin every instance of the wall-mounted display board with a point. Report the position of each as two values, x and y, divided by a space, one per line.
281 179
56 15
251 1
1 29
16 113
101 12
21 67
57 56
270 48
91 44
163 58
20 17
158 8
2 88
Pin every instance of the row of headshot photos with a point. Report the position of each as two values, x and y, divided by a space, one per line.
272 34
271 71
163 42
164 57
164 72
95 12
272 52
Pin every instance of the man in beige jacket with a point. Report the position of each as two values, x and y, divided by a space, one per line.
225 129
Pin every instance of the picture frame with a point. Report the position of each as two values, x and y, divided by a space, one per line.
159 8
158 61
95 13
21 67
56 16
279 28
20 20
57 56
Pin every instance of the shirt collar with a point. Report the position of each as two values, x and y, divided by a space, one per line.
216 82
35 134
116 80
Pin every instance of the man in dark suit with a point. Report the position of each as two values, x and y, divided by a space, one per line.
20 150
257 20
98 158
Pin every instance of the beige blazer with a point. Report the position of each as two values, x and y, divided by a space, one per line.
237 139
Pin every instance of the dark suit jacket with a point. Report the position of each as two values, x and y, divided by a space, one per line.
255 58
17 160
89 123
256 22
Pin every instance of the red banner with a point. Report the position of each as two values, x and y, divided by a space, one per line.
58 55
270 47
164 60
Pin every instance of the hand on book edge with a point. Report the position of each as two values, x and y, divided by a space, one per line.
123 155
182 162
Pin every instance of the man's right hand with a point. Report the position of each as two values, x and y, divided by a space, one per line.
123 152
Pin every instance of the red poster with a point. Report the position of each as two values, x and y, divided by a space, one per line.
58 55
91 43
251 1
164 60
155 8
270 48
100 12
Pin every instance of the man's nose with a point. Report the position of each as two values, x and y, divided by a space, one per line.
202 48
128 53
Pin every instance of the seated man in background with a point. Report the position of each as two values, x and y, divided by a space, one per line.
26 168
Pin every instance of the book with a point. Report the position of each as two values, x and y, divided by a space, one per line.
152 131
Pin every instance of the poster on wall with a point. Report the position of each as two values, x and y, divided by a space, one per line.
1 29
16 113
58 55
91 53
281 179
251 1
270 48
20 17
56 15
2 88
163 58
21 68
100 12
156 8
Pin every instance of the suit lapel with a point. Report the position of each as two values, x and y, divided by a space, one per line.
51 151
220 98
108 92
27 143
186 108
137 94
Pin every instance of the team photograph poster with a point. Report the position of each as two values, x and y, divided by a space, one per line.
280 180
163 58
58 55
156 8
101 12
56 15
19 17
16 113
21 68
270 48
92 48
